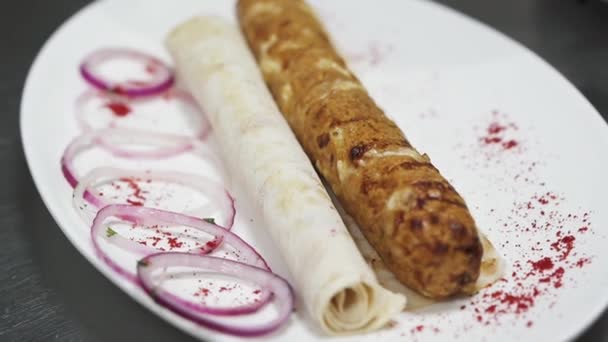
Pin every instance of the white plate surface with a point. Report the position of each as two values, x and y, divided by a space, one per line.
444 79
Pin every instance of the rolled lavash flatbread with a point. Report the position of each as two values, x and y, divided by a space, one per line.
338 288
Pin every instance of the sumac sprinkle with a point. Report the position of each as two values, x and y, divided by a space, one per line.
118 108
543 264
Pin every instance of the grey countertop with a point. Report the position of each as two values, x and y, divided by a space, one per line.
42 299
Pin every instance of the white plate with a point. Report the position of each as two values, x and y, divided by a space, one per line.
440 76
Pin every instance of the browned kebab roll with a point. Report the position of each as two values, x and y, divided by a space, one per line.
411 215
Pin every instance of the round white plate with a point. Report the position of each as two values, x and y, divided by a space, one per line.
444 79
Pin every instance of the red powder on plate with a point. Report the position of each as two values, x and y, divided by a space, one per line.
492 140
509 144
495 128
496 134
565 245
499 134
543 264
540 240
582 262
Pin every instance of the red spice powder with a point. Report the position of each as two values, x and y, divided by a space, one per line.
509 144
173 243
202 292
496 134
158 231
556 277
119 109
135 203
155 239
532 281
211 244
538 271
492 140
138 197
582 262
132 183
565 245
514 303
543 264
495 128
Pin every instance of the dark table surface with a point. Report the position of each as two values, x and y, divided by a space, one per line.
41 298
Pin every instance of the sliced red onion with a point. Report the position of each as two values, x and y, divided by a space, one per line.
112 139
161 76
253 268
214 191
201 132
265 297
168 145
280 288
150 217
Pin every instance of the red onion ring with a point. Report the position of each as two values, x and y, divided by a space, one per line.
110 138
169 145
201 133
204 185
148 217
162 76
280 288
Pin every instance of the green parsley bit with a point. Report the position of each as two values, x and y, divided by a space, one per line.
110 232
